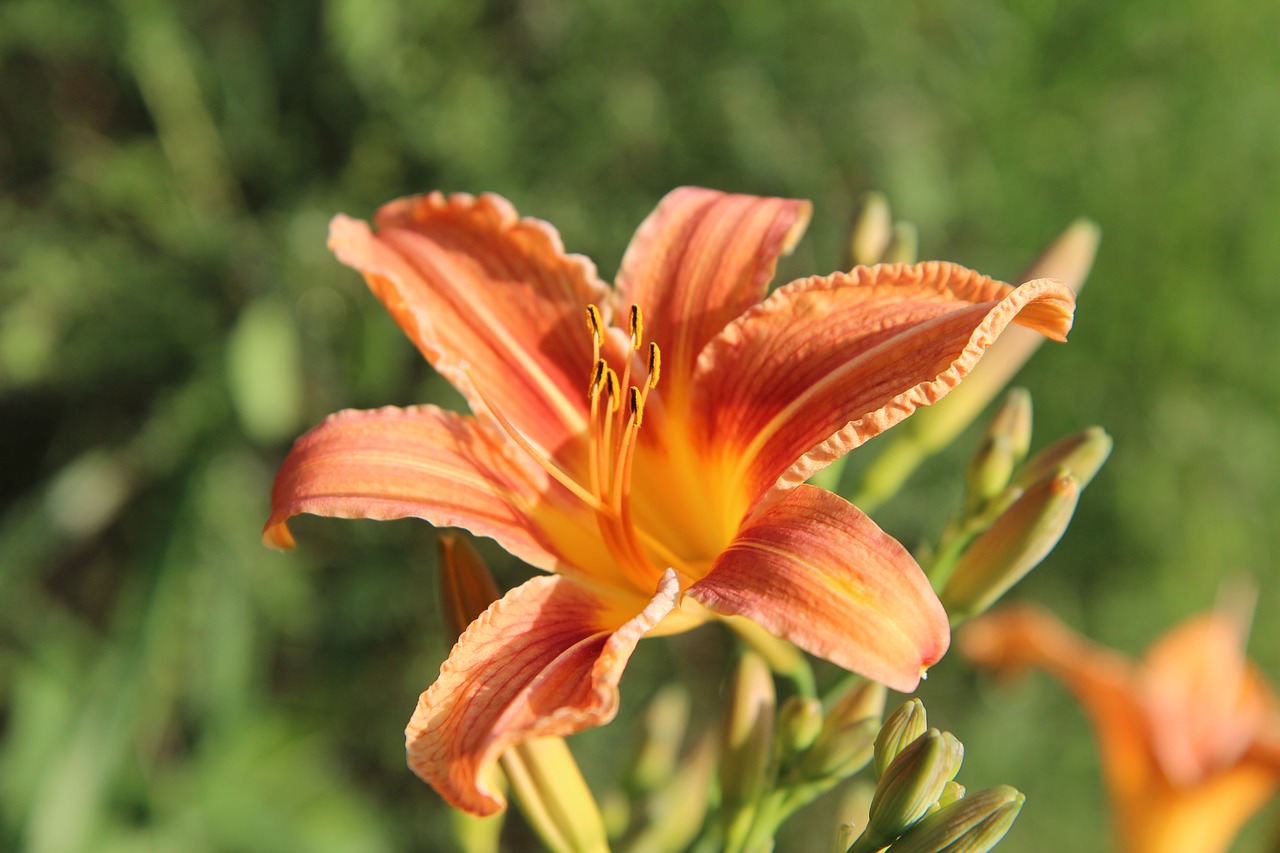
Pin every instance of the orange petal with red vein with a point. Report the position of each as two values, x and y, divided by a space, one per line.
826 363
701 259
487 297
420 462
815 570
543 661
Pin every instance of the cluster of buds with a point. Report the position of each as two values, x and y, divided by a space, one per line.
1015 509
777 759
918 807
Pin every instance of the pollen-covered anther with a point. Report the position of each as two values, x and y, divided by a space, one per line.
595 325
635 405
614 389
635 326
597 378
655 364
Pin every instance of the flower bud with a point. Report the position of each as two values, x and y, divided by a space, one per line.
871 230
799 724
953 792
1013 420
553 796
466 586
1082 454
845 744
903 245
912 784
748 734
974 824
989 471
902 727
1014 545
663 724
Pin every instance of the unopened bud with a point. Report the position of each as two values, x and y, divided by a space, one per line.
901 727
553 796
1069 258
748 734
1013 419
466 586
1004 446
845 744
1082 454
974 824
989 471
871 230
799 724
663 728
903 245
1014 545
951 793
912 784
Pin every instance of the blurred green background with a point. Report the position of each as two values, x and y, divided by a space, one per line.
170 320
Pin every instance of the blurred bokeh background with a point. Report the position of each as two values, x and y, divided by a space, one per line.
170 320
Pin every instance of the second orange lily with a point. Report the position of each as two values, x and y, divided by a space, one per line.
1189 735
646 445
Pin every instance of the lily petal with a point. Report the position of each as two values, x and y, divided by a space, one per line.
1205 700
815 570
492 300
826 363
543 661
701 259
420 462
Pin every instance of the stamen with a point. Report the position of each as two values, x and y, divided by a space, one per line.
546 464
655 364
635 325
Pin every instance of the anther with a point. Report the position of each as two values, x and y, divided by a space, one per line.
597 376
635 405
655 364
594 321
635 325
615 392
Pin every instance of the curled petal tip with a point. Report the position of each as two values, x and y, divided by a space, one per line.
278 536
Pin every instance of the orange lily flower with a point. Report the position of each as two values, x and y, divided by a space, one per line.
646 445
1189 736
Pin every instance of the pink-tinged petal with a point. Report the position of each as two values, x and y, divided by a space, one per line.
826 363
815 570
420 462
1206 701
701 259
488 298
543 661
